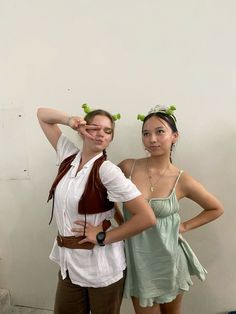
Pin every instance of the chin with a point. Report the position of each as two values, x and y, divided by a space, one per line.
98 149
155 154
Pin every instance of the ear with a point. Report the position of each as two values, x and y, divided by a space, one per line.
175 137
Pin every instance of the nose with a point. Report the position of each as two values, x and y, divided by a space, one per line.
100 132
153 138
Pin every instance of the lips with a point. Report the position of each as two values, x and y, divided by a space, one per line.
154 147
99 142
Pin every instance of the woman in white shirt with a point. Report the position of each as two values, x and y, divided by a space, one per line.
92 261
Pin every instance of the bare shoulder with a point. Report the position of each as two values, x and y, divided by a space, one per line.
126 166
186 180
194 190
190 185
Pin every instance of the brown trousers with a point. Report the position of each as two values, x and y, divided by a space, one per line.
74 299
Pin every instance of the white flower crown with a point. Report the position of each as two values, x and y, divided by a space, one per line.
162 109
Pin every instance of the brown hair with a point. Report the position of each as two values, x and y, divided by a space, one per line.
100 112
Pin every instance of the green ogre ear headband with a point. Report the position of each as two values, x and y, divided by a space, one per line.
87 109
159 108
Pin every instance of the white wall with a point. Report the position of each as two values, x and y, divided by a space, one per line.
124 56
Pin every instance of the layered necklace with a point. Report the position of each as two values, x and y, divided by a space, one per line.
154 184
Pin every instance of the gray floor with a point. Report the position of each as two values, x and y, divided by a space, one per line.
126 308
26 310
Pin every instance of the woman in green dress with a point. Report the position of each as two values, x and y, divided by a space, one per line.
159 261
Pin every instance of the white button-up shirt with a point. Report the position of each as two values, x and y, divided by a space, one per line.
100 266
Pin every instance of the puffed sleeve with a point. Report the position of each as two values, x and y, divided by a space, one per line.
119 188
65 148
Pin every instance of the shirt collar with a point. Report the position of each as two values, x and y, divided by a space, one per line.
76 161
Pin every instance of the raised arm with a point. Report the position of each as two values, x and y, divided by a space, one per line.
49 119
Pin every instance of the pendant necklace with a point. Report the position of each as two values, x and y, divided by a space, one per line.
154 185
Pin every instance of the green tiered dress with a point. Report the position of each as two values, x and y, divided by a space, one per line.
159 261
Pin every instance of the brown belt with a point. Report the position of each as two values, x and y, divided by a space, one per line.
72 242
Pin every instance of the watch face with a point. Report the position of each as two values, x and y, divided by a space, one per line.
101 237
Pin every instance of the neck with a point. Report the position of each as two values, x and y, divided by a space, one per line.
156 170
86 156
158 162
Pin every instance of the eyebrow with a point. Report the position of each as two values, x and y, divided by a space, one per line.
158 128
102 126
98 125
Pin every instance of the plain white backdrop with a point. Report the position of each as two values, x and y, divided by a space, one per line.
123 56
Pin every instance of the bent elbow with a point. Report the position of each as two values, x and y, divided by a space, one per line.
220 211
39 112
152 221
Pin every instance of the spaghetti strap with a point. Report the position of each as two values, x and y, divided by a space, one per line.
179 175
132 168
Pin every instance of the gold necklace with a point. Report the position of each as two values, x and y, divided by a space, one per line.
154 185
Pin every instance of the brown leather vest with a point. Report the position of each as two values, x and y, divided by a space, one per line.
94 199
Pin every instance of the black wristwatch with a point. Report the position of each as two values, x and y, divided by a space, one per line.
101 236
